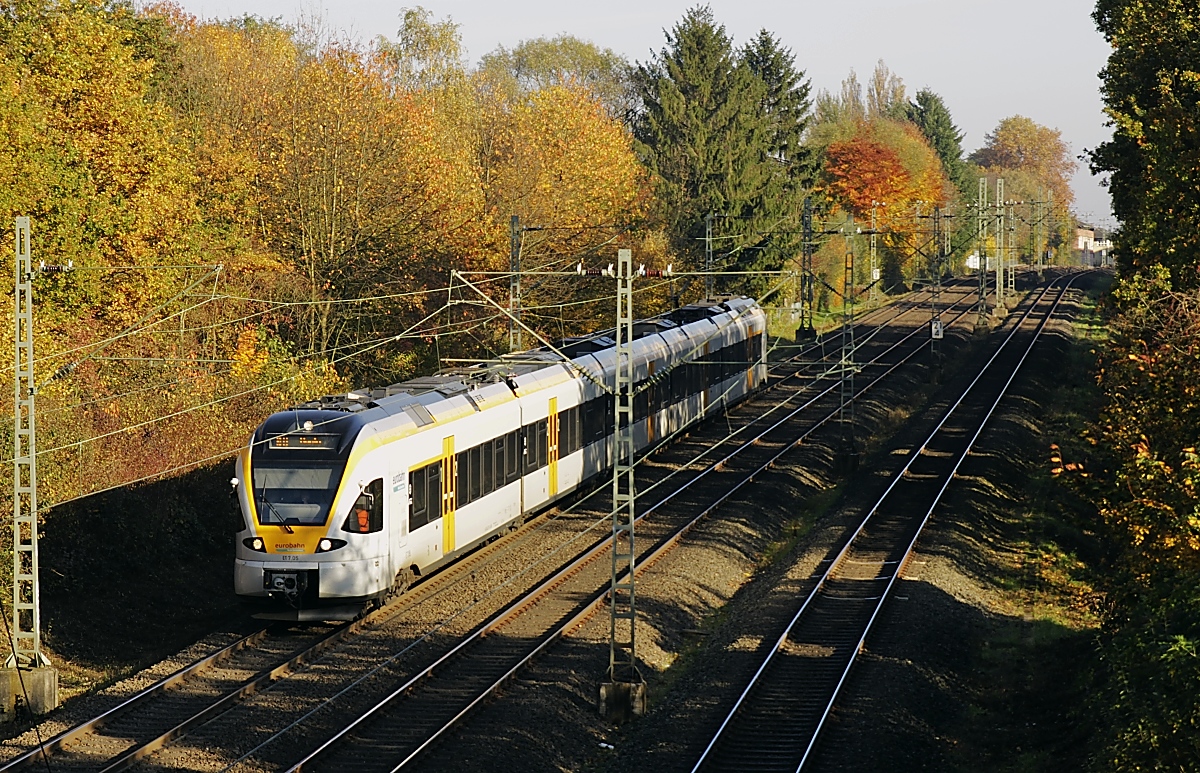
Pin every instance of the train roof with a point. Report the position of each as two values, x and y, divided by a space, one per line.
473 380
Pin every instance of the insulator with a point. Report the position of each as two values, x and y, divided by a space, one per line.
64 371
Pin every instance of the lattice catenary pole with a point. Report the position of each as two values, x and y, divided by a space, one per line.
846 408
1000 233
26 611
981 239
806 269
708 256
515 339
622 651
1012 249
874 278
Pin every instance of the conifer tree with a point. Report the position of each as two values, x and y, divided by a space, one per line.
701 134
932 117
785 106
785 103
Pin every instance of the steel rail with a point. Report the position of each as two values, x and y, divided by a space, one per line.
253 684
55 743
247 687
526 601
836 561
467 565
903 562
58 742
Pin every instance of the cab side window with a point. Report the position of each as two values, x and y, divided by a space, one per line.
366 516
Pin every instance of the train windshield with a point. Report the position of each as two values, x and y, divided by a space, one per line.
295 494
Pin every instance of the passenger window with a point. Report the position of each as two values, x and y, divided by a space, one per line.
366 516
434 486
590 423
512 456
498 443
489 479
528 449
418 512
463 470
476 474
641 401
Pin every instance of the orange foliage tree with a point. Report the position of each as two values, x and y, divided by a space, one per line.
863 173
888 163
884 166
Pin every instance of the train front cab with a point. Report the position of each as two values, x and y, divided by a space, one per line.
312 534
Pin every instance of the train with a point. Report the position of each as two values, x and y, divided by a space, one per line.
349 499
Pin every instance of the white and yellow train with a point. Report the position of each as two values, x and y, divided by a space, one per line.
351 497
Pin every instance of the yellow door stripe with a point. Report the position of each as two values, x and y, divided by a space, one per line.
552 442
449 494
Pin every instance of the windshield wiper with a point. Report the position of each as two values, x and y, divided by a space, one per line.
282 522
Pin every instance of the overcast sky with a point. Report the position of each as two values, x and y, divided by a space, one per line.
988 59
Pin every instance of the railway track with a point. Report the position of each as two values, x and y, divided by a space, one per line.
126 732
146 722
396 731
775 722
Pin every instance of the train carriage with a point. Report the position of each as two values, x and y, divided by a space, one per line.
352 497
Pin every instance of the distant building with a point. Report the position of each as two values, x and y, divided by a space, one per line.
1093 246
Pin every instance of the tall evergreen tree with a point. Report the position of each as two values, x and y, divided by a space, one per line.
702 135
932 117
785 105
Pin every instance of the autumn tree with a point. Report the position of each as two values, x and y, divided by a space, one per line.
886 93
1147 489
360 186
566 168
836 115
1147 472
93 157
102 164
863 172
878 163
427 54
1019 143
1151 88
555 151
564 60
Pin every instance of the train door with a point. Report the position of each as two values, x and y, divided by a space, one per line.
535 466
396 518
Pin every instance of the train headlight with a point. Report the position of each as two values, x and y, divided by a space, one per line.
256 544
327 544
